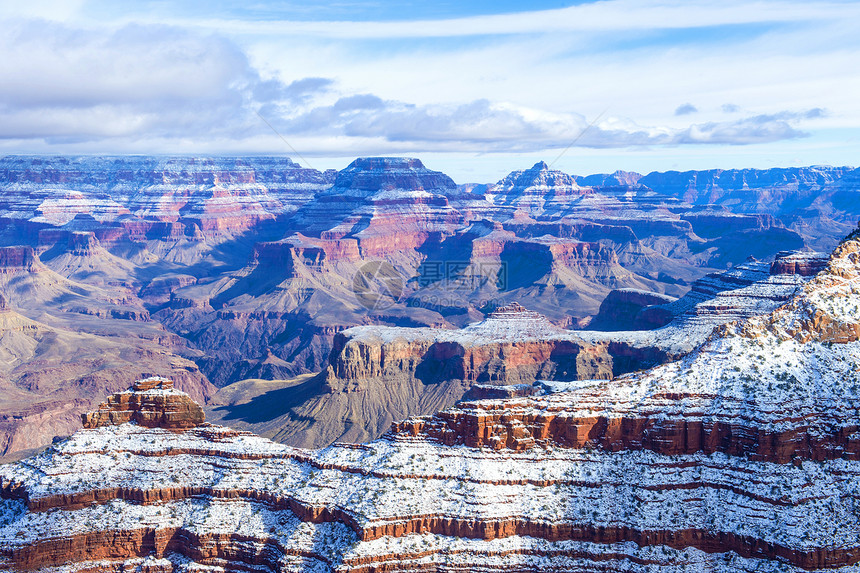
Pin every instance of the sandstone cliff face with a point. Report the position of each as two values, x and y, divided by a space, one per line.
743 456
138 195
380 375
17 258
511 346
153 403
803 264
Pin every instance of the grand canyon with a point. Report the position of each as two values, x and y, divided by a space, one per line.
242 364
558 286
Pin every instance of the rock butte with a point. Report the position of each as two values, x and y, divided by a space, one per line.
221 269
152 403
742 456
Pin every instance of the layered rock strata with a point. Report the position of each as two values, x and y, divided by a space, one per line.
153 403
511 346
747 290
514 345
140 198
743 456
621 309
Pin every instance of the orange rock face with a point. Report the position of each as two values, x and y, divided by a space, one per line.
152 402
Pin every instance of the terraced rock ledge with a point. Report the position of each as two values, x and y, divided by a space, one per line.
742 456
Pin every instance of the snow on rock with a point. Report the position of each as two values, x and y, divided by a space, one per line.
747 290
151 402
742 456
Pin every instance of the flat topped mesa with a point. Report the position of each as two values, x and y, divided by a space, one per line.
799 263
151 402
516 311
514 322
152 383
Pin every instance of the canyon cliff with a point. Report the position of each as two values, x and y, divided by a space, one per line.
741 456
379 374
218 270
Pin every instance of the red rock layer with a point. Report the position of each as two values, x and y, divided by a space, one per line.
309 251
355 361
152 403
803 264
499 427
238 552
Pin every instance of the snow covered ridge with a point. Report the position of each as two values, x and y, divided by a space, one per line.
54 190
754 288
744 291
777 387
511 323
743 456
213 490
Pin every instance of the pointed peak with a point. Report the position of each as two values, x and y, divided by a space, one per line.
540 166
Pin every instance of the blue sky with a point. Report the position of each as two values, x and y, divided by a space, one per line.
475 89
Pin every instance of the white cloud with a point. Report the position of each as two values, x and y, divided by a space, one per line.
485 126
602 16
69 84
523 83
686 109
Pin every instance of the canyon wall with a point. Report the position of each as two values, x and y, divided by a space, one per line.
741 456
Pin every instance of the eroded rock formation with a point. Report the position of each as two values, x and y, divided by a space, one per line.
151 402
743 456
622 310
246 267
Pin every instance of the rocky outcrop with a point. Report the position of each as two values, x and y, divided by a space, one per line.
535 191
305 251
18 258
386 203
711 224
511 346
805 264
621 308
151 402
742 456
